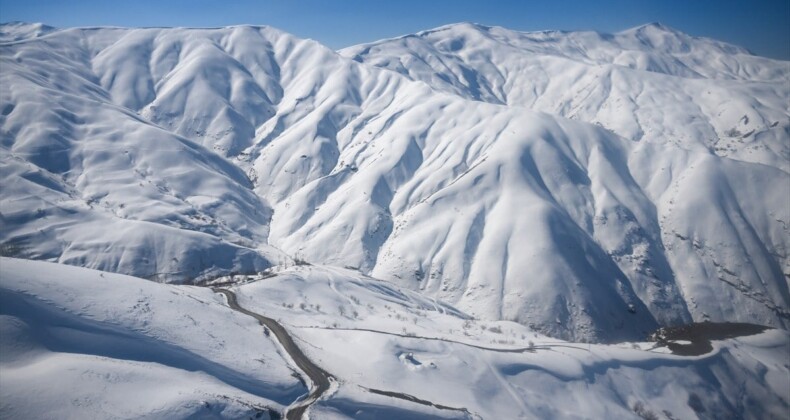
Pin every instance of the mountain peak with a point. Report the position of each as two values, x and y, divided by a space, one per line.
657 35
658 25
653 28
456 27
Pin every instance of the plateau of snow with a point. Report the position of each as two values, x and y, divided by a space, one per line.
589 186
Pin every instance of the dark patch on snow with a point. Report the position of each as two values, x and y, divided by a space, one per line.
700 335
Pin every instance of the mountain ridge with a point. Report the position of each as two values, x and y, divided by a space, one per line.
578 215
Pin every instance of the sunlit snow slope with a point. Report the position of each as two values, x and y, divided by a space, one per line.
79 343
592 186
650 83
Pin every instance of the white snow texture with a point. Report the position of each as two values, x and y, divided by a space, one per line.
590 186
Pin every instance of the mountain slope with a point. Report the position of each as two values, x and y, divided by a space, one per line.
206 150
651 83
79 343
90 183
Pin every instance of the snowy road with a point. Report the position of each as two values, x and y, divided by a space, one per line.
318 376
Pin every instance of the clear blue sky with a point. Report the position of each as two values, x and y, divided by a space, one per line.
762 26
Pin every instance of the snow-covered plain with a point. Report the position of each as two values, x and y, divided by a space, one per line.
79 343
591 186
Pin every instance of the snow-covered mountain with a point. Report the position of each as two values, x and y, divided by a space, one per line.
591 186
651 83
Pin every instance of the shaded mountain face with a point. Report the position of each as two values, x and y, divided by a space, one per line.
592 186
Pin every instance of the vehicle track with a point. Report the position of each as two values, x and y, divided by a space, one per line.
319 377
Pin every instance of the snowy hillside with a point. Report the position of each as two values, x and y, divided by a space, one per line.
131 348
650 83
102 345
591 186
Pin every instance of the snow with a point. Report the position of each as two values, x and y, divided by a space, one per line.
400 343
92 344
591 186
651 83
466 222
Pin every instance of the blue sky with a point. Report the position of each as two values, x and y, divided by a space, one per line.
762 26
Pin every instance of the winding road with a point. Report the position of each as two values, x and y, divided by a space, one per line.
319 377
